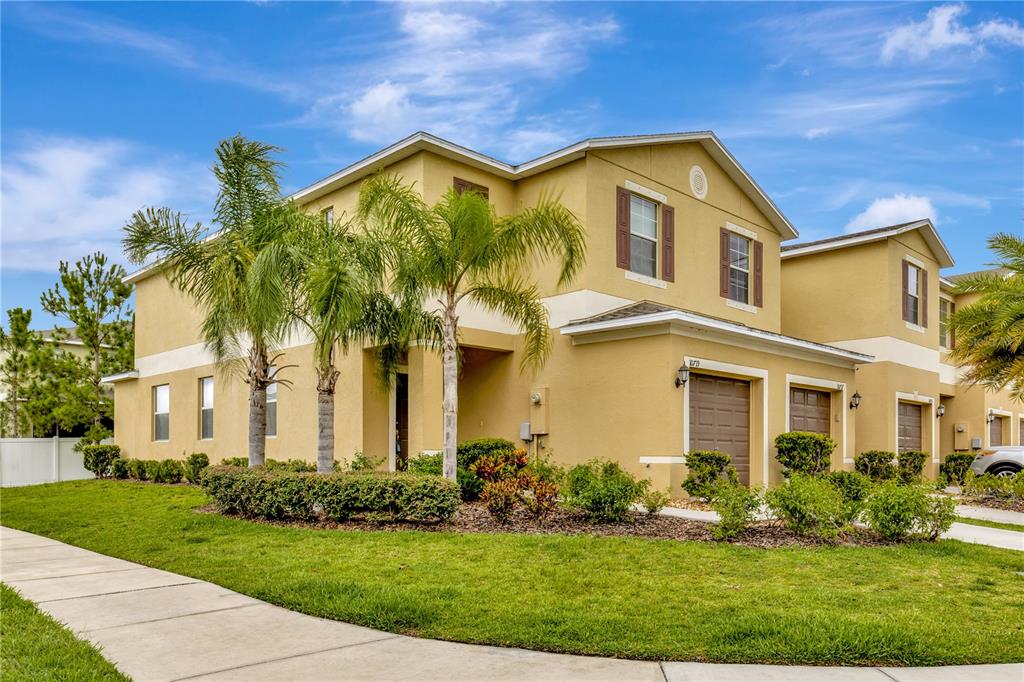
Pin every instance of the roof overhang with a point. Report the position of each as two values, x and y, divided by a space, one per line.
928 231
693 324
118 378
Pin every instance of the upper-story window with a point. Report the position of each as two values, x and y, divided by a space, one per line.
915 294
162 412
272 403
328 214
739 268
206 408
643 236
946 308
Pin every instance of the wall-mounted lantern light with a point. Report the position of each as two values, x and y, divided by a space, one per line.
682 376
990 417
940 410
855 400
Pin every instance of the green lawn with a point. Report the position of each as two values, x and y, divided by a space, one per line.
918 604
990 524
35 647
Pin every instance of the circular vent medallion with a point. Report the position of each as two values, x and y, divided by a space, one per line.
698 182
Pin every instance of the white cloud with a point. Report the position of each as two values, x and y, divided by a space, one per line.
61 198
899 208
942 30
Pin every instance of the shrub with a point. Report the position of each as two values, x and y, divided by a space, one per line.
910 465
136 469
804 453
119 468
898 511
294 465
499 467
655 500
808 505
235 462
469 451
707 467
994 487
876 465
98 458
432 465
194 465
169 471
956 466
540 465
501 497
283 494
736 505
362 462
540 497
854 489
152 467
603 490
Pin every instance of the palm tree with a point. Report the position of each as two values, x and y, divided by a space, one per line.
332 275
460 249
990 331
244 319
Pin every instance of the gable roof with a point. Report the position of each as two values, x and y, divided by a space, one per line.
928 231
422 141
648 313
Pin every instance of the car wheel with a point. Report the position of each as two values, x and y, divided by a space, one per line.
1004 470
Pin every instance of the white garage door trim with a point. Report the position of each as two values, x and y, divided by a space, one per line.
739 371
922 400
831 386
988 432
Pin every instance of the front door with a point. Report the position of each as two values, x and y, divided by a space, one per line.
810 411
401 421
720 419
908 430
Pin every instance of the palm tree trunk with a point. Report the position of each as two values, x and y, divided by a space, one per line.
258 371
450 398
325 382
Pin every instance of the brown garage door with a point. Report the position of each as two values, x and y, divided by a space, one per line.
909 427
810 411
720 419
995 431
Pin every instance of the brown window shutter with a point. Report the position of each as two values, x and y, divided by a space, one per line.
951 340
758 274
462 186
668 243
723 262
622 228
922 286
906 291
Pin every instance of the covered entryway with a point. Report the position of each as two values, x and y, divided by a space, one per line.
995 432
908 428
720 419
810 410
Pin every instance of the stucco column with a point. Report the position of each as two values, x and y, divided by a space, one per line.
426 420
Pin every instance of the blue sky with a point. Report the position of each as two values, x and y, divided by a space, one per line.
850 115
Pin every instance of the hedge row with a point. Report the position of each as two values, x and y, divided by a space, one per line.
281 494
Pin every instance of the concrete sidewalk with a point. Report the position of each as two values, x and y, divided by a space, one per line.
964 532
155 625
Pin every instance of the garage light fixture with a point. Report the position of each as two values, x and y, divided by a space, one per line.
990 417
855 400
682 375
940 410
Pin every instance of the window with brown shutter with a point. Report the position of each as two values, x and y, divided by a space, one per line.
915 294
462 186
758 274
723 263
906 291
622 228
668 241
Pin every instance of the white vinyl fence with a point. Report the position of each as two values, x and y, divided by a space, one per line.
30 461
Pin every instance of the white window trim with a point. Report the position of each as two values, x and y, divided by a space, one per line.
999 412
155 413
392 417
745 307
646 192
913 261
951 303
915 327
831 387
921 400
657 459
645 279
702 365
749 272
742 231
656 241
201 408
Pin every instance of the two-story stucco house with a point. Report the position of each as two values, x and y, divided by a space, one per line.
691 327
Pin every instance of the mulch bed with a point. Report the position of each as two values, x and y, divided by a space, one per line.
474 518
994 503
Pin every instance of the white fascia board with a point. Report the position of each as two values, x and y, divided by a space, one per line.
931 236
123 376
680 316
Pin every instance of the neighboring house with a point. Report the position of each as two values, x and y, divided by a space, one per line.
678 334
